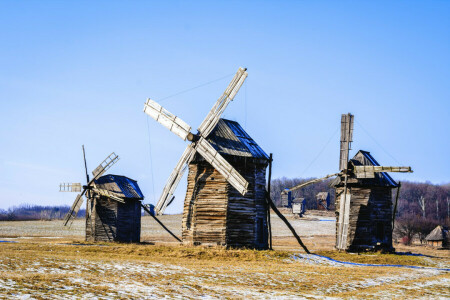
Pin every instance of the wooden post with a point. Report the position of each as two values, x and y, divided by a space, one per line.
280 215
395 205
160 223
268 204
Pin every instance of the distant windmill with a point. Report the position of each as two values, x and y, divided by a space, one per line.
113 210
364 217
225 201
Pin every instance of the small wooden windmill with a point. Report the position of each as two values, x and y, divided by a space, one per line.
222 206
113 208
364 214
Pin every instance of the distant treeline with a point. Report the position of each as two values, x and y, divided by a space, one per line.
424 200
419 200
309 192
26 212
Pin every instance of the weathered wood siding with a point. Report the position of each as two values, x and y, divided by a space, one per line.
247 215
370 219
109 220
216 213
205 206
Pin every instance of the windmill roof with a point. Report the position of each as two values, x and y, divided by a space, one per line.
438 234
121 186
364 158
229 138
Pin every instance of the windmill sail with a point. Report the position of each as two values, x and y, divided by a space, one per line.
108 194
202 146
72 214
346 139
70 187
213 116
304 184
174 179
221 165
104 166
369 171
168 120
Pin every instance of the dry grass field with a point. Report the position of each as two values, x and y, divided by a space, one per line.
41 260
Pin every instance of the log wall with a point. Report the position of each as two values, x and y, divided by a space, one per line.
216 213
370 219
108 220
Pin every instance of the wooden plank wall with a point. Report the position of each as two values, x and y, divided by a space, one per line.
244 211
370 217
216 213
205 206
129 222
110 220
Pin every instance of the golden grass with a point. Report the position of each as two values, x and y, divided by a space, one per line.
48 270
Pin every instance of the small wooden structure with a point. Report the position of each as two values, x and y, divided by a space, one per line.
215 213
439 238
367 222
298 206
323 200
107 218
286 198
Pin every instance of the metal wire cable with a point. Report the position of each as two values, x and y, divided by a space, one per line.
151 159
196 87
376 142
320 153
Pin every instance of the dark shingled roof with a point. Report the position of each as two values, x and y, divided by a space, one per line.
229 138
121 186
438 234
364 158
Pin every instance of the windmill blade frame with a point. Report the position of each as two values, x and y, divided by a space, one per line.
304 184
72 213
108 194
346 140
221 104
369 171
221 165
174 179
167 119
107 163
70 187
182 129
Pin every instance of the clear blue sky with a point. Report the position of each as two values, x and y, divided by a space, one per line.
74 73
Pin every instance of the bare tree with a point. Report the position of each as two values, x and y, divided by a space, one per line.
422 205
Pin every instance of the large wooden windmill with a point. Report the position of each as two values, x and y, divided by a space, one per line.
225 200
113 207
363 197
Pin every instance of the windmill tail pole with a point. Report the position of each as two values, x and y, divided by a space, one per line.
160 223
280 215
395 205
302 185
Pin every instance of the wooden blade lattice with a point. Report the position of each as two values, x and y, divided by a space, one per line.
221 165
346 139
168 120
174 179
104 166
72 214
213 116
369 171
70 187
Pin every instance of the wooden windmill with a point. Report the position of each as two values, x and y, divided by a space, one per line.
363 197
225 200
113 207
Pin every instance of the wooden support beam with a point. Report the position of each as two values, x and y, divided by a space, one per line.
283 218
395 205
160 223
268 204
